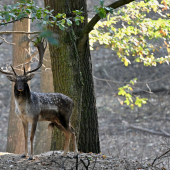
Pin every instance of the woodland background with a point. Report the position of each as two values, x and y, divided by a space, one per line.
118 124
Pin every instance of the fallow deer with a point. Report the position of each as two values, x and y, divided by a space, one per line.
33 107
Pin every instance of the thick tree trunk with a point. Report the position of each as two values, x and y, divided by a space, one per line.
15 141
71 66
88 136
66 76
43 134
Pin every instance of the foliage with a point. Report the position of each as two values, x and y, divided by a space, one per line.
126 92
101 10
43 16
132 38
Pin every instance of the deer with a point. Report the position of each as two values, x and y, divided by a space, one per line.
32 107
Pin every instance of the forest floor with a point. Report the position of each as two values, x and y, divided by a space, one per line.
53 161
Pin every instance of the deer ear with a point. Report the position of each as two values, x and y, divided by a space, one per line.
11 78
29 77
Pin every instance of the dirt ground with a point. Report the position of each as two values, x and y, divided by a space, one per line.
53 161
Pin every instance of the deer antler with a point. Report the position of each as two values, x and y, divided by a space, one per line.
9 73
14 71
41 50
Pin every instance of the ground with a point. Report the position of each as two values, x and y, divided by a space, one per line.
53 161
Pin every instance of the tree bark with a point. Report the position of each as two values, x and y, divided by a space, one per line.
89 135
72 70
15 135
43 134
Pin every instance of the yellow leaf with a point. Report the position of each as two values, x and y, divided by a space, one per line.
126 62
104 156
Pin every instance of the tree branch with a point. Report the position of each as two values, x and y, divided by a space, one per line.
83 36
163 133
18 32
160 156
152 90
96 18
6 41
9 22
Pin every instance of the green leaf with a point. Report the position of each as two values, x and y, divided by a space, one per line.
1 18
5 7
54 19
69 23
77 21
12 15
59 15
122 93
127 101
132 82
62 27
46 18
101 2
52 41
7 17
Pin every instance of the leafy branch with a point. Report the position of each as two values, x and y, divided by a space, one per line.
43 16
125 92
132 38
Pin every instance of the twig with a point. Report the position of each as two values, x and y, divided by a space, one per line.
128 82
86 166
77 161
62 166
149 131
6 41
94 163
18 32
166 133
160 157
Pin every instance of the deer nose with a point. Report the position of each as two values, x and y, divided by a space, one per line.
20 88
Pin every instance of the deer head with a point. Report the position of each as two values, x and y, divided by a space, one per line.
21 80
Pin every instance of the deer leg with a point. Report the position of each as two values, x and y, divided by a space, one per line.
67 142
67 135
25 126
73 140
33 128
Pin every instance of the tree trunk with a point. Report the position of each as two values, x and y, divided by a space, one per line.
15 136
71 67
43 135
89 135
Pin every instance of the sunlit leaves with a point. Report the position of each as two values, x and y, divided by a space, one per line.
140 101
131 39
126 91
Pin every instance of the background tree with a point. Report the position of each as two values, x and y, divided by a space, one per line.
20 55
